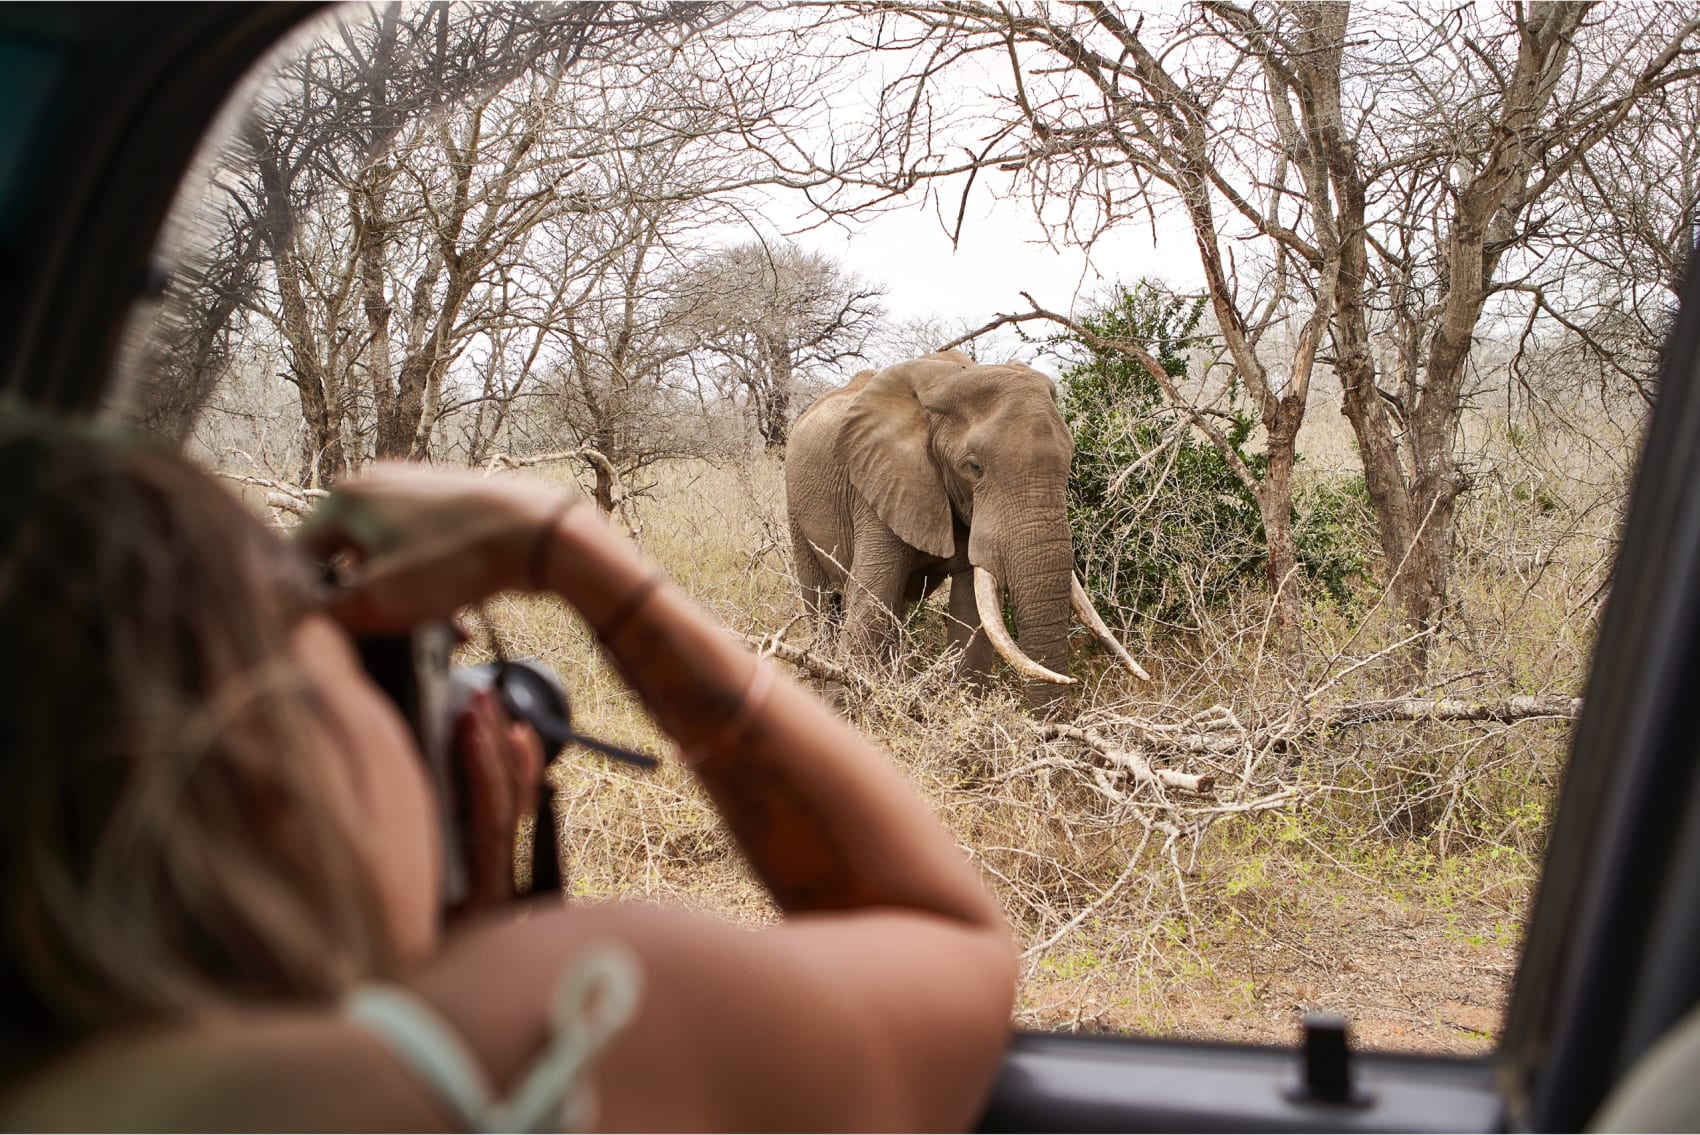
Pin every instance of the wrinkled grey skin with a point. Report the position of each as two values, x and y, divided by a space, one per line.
918 473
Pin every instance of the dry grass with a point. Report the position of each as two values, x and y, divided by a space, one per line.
1386 874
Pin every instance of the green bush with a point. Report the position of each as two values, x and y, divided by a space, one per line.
1162 525
1334 531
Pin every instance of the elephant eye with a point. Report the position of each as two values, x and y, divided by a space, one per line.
973 464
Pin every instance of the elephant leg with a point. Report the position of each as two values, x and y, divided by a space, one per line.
871 621
821 600
978 656
874 595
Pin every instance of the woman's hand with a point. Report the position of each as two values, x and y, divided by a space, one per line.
503 763
417 543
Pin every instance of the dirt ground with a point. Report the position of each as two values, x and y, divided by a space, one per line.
1408 977
1410 974
1422 966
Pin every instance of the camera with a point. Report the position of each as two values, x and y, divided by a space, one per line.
415 670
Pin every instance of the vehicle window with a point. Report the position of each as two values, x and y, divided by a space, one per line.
30 72
1351 319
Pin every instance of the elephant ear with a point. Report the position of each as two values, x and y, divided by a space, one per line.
885 447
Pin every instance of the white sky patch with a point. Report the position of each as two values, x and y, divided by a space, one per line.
904 245
1003 252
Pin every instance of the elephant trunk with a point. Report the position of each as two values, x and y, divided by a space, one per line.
989 601
1033 559
1038 581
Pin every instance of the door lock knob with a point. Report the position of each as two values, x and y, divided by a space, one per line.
1326 1074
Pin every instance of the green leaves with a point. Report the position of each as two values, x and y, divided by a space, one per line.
1162 525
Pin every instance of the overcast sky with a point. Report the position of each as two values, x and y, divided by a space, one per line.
1003 249
1002 254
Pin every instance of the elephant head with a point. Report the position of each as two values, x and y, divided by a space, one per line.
959 458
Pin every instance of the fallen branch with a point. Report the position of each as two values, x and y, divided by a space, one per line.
1218 731
807 660
1096 904
1213 730
582 453
295 506
1199 784
281 495
1520 708
1266 803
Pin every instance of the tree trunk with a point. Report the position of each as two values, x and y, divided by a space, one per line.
398 430
369 204
313 381
1275 503
774 406
774 412
607 444
1389 490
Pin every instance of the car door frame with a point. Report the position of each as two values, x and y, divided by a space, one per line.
1610 948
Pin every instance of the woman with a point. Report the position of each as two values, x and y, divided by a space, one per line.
221 861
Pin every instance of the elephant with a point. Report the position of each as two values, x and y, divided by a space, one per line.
932 469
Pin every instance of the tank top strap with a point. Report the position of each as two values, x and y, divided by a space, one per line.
594 999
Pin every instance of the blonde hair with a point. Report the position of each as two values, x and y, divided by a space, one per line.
175 834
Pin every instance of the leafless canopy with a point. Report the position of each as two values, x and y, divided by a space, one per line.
1370 190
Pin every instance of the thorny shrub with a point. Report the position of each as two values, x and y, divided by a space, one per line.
1163 527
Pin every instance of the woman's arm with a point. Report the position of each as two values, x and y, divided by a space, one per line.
894 1015
825 820
884 1000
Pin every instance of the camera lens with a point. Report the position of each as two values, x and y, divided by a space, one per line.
533 695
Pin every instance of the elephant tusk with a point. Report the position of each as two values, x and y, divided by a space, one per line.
991 622
1095 623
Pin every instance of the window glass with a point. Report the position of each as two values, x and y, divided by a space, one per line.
1350 317
28 73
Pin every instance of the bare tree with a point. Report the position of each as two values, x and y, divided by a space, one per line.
1612 289
386 180
768 315
1512 111
1374 185
618 351
191 349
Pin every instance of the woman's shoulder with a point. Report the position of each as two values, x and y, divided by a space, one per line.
493 990
286 1070
325 1067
